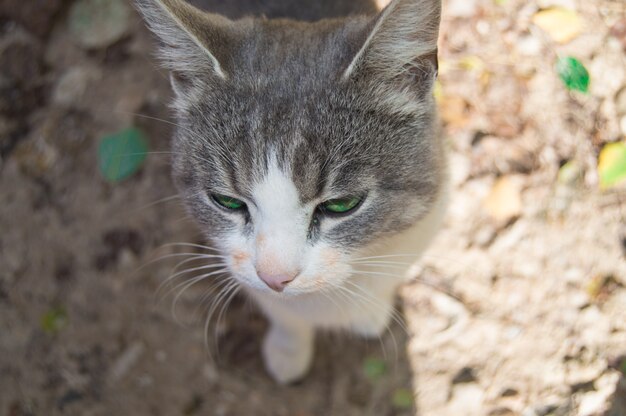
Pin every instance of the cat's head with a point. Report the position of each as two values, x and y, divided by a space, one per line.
301 144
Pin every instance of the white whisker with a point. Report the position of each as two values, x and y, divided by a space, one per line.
223 309
167 256
416 279
221 267
183 244
220 296
186 285
352 299
386 256
383 265
395 315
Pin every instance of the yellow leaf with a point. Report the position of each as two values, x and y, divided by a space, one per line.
472 63
612 165
438 91
561 24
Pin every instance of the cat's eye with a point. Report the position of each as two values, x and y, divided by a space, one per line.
228 202
341 205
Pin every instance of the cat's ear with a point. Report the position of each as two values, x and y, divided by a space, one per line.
194 45
401 43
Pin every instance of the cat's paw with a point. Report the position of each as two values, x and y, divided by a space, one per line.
287 355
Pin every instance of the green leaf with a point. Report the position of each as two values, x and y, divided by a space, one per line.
573 74
54 320
612 164
402 399
374 368
122 154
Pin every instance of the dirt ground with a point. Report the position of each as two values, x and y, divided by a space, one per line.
519 308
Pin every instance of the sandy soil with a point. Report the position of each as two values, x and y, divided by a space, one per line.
519 308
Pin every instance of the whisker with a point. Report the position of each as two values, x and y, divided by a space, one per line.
174 269
183 219
352 299
361 272
167 256
187 286
183 244
395 314
205 299
387 256
382 265
153 203
189 260
220 296
416 279
159 152
223 310
182 272
328 294
191 253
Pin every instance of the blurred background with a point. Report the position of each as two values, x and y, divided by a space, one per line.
519 308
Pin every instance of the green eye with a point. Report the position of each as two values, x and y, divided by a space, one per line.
228 202
341 205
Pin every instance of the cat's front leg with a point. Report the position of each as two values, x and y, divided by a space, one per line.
288 350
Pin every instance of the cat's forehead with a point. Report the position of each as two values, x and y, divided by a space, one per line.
323 142
293 51
328 140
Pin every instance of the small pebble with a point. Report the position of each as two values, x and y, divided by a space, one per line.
509 392
210 373
501 411
465 375
161 356
485 236
126 361
72 86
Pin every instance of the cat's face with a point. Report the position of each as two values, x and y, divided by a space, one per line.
297 148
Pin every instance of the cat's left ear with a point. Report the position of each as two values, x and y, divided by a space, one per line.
400 47
195 45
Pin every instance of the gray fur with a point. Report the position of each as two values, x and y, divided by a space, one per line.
345 103
298 10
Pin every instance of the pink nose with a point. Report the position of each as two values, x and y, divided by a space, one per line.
276 282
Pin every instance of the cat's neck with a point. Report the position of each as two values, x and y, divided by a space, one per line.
308 10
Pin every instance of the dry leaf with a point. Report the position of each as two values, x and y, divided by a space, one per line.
504 202
561 24
472 63
453 110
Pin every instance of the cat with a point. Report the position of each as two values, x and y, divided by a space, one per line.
308 152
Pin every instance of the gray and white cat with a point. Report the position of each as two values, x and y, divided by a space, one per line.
308 153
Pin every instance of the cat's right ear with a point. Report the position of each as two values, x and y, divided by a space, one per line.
194 44
399 51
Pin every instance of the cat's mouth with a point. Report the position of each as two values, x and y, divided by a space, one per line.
282 277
